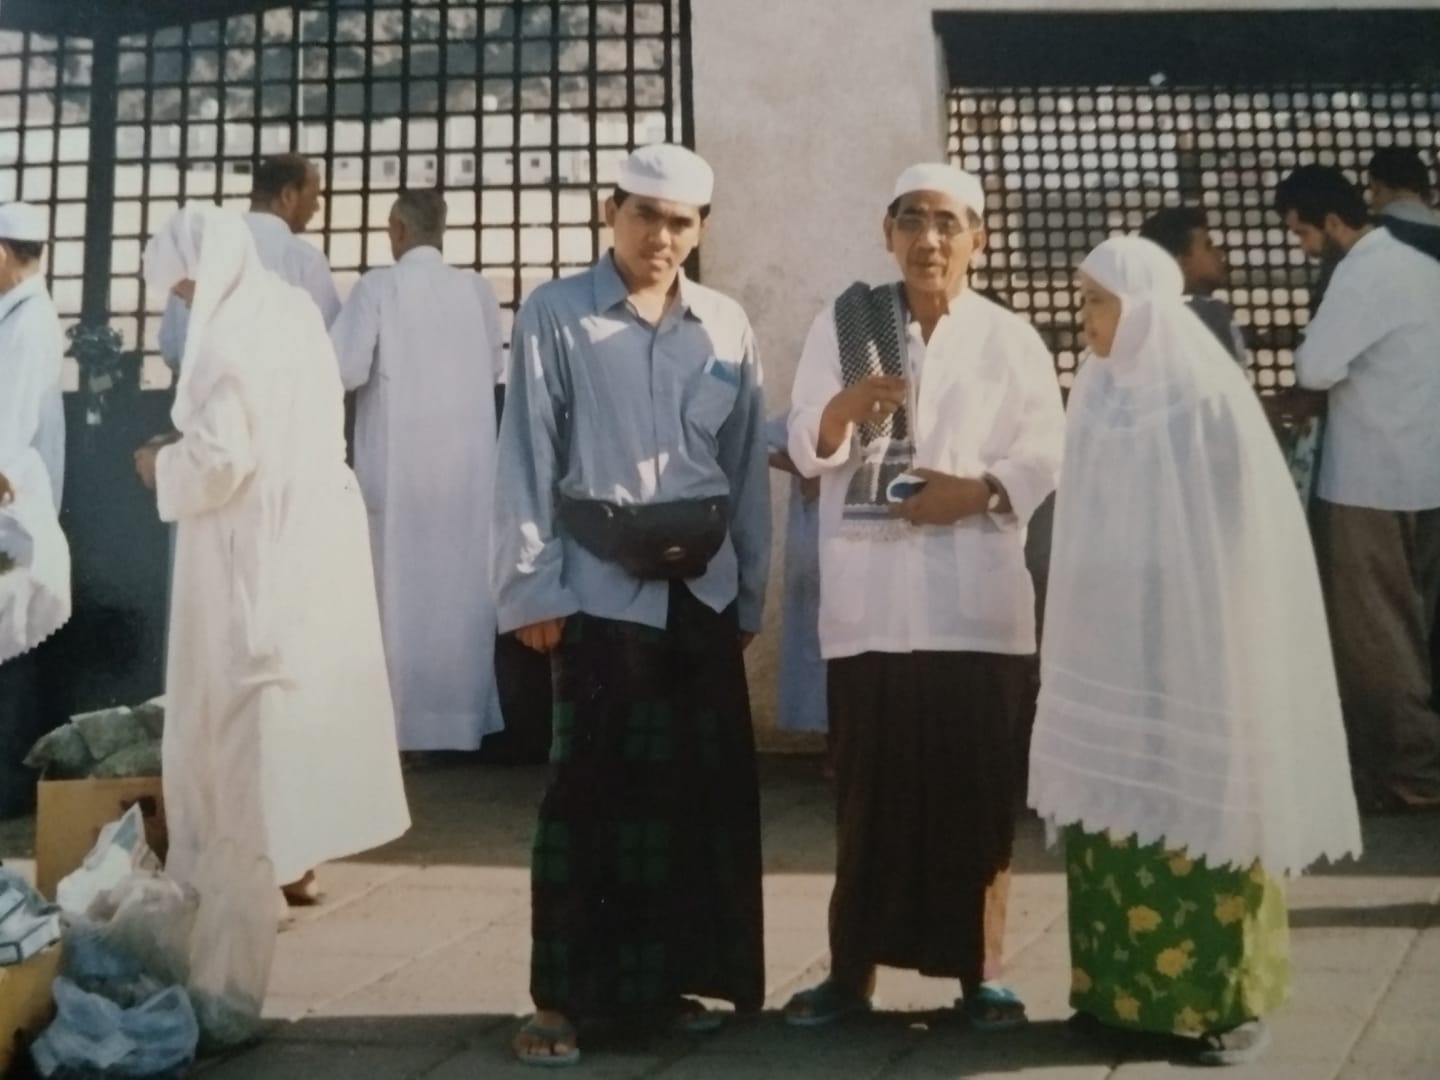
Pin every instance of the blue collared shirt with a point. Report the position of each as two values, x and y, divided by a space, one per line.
603 405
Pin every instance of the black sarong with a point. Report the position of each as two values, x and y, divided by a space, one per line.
926 780
645 876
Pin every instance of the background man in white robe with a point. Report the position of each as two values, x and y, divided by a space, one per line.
279 733
284 200
32 425
420 342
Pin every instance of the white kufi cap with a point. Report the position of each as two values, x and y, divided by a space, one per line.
965 188
21 221
670 172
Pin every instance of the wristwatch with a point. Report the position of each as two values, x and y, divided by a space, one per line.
992 504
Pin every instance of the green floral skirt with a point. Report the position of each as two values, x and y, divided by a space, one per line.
1163 943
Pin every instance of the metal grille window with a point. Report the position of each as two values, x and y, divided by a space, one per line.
1068 164
44 144
519 110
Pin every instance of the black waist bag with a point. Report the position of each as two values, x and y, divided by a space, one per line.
651 541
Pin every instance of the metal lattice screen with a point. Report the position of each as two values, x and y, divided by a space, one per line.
519 110
44 145
1067 166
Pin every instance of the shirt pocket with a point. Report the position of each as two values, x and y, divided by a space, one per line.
712 395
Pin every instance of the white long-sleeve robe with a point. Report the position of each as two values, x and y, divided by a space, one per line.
986 402
32 411
280 730
421 344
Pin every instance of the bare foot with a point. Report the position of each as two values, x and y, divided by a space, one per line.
547 1034
302 893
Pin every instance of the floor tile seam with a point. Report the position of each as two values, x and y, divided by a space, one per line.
326 909
406 962
1372 1014
468 1044
808 971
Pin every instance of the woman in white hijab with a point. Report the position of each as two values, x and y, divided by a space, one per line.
280 732
1188 732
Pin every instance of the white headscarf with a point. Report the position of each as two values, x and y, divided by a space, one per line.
266 338
214 248
1188 692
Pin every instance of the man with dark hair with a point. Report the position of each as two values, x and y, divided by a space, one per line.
632 546
284 198
420 344
1400 185
1184 231
1400 195
1372 347
32 428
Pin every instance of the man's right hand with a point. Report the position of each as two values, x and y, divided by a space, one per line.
543 637
870 399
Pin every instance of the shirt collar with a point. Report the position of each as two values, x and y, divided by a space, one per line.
1376 237
610 289
425 253
962 301
31 286
1415 212
263 219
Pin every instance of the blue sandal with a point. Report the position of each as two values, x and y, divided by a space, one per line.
826 1003
993 1008
554 1036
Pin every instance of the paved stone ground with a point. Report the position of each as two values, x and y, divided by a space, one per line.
415 968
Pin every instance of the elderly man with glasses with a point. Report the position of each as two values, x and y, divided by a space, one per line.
933 419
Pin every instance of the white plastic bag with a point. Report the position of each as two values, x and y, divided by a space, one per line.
119 852
151 918
233 944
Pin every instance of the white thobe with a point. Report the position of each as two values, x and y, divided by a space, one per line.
987 402
32 410
420 342
1375 346
280 729
280 250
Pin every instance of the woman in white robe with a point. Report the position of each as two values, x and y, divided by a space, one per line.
280 732
1188 730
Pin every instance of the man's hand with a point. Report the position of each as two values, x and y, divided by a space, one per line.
543 637
7 493
870 399
145 464
944 499
779 459
1293 405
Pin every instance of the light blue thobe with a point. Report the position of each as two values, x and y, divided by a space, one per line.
802 705
603 405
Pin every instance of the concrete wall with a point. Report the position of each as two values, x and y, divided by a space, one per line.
808 109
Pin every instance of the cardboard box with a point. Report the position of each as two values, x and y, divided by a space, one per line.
71 813
26 1004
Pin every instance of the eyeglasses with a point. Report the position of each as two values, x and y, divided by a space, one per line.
945 226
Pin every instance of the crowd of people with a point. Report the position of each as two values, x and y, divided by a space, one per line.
1219 694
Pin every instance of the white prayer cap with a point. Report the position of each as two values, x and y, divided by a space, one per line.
965 188
670 172
21 221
